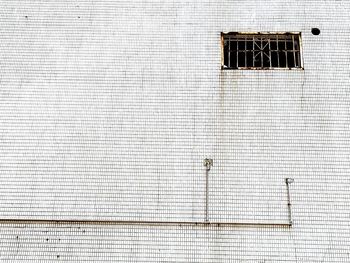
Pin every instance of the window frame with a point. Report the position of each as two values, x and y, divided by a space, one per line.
296 34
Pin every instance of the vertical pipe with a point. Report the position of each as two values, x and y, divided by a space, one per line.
207 195
207 163
288 182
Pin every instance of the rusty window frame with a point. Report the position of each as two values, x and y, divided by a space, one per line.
270 50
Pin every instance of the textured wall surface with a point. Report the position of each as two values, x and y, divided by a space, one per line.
108 108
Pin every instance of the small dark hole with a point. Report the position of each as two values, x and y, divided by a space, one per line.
315 31
58 256
47 239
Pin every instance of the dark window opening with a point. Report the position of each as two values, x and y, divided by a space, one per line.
261 51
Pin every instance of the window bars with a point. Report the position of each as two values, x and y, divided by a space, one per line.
261 51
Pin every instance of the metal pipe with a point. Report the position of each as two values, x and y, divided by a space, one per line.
208 164
141 222
207 194
288 182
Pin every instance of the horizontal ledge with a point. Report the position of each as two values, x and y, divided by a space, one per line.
142 222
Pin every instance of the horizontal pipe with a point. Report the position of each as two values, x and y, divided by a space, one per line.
141 222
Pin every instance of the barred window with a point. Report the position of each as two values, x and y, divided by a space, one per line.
261 51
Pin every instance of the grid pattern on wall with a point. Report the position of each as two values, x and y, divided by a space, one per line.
108 109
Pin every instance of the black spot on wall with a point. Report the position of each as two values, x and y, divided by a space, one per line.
315 31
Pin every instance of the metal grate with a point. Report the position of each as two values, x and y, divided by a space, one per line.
261 51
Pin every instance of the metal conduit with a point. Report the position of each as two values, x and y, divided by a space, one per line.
208 163
142 222
288 182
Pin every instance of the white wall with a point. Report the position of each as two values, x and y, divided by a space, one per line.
108 108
